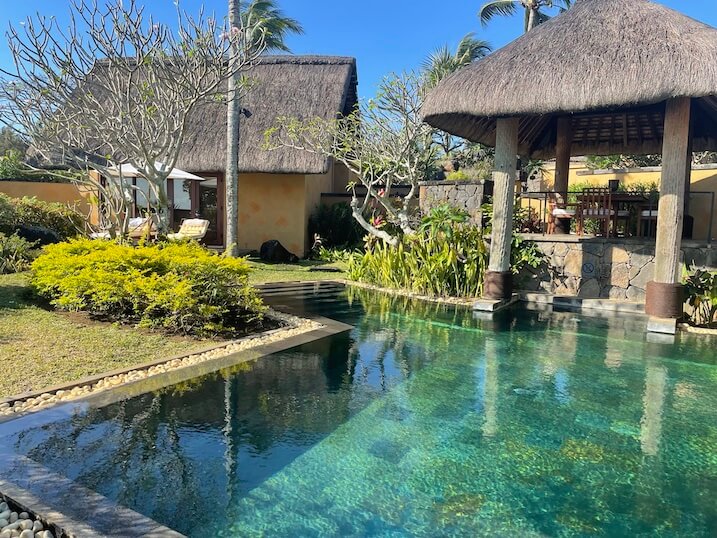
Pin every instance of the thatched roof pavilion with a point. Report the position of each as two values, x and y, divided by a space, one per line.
610 64
303 87
605 77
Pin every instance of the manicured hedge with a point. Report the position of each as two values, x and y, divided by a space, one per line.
181 288
21 213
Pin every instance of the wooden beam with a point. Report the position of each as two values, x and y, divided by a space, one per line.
563 144
504 176
675 159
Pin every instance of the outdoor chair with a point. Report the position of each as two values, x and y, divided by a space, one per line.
191 229
596 204
140 227
647 221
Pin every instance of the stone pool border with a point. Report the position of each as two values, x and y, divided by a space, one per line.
64 503
75 390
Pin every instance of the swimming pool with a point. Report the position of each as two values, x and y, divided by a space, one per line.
423 420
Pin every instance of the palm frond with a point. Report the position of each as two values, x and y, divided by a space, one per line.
471 49
495 8
276 25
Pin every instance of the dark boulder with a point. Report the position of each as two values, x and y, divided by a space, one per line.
274 252
42 236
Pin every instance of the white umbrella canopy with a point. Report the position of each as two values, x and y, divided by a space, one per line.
127 170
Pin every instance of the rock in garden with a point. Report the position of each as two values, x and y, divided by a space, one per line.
274 252
27 534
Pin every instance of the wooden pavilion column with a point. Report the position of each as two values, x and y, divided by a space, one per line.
664 294
498 280
563 145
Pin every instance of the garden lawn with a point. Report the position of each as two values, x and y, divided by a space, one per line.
40 348
265 273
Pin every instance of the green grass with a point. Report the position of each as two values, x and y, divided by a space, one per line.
264 273
40 348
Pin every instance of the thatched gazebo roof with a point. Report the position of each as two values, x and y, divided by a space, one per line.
303 87
609 64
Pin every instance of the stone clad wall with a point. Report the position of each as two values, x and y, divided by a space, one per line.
468 195
599 268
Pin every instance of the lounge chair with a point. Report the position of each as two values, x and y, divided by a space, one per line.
191 229
140 227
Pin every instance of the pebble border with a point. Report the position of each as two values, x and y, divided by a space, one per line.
294 326
21 524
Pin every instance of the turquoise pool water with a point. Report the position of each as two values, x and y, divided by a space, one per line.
421 421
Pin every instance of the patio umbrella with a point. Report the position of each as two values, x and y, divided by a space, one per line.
128 170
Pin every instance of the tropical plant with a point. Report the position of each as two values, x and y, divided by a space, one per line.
435 266
609 162
270 21
336 226
536 11
179 287
443 61
16 254
701 290
274 23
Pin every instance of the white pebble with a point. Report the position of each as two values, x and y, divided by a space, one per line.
3 506
4 523
37 526
27 534
5 514
25 524
13 517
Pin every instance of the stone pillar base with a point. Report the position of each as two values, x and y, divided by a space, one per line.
664 301
498 285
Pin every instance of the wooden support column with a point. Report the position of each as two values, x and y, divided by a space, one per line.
664 294
498 280
563 144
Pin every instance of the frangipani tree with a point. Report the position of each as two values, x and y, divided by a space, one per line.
384 144
117 86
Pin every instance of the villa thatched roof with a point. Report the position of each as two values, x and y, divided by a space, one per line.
304 87
610 64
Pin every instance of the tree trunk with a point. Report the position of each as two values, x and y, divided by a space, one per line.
532 18
233 119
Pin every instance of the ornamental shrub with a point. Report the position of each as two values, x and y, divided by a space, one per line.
16 254
178 287
447 257
53 216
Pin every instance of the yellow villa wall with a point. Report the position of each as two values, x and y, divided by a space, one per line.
703 180
272 206
64 193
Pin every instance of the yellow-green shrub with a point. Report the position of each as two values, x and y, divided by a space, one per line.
180 287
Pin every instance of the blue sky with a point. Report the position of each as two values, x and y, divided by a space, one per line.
384 35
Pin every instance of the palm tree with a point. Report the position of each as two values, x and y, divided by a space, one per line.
275 24
275 27
443 62
534 10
